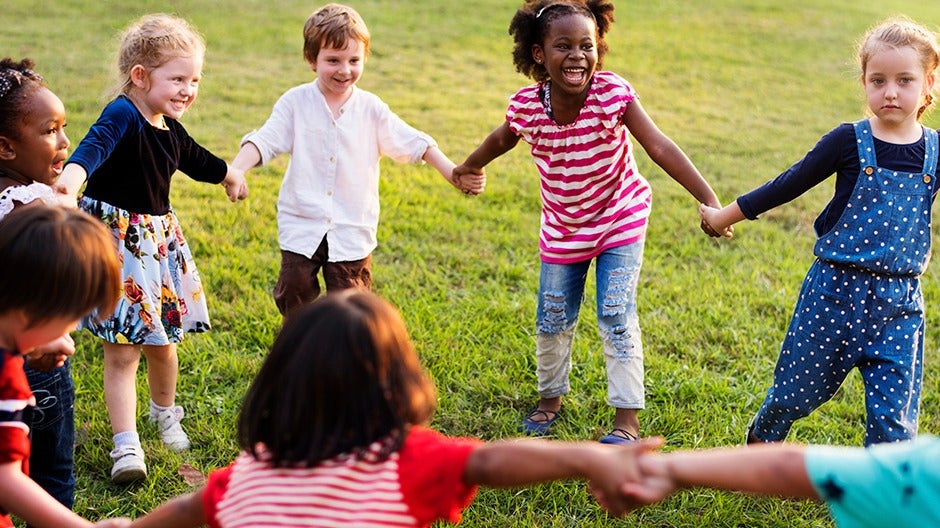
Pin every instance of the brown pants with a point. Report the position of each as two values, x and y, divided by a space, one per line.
297 282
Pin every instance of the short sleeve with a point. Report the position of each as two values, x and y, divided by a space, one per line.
213 493
887 484
431 472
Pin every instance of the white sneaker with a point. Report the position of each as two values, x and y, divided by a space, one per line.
128 465
171 432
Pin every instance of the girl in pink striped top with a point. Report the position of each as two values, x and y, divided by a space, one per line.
595 203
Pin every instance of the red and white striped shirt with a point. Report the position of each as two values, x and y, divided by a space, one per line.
421 483
593 196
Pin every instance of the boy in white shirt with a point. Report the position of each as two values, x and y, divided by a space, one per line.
328 205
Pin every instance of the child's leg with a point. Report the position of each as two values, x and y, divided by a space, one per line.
52 432
561 291
297 282
819 350
162 373
892 366
345 275
618 272
120 396
120 385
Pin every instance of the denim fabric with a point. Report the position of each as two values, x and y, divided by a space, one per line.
52 432
561 293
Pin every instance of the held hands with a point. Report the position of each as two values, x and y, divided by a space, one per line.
470 180
712 224
51 355
625 483
236 187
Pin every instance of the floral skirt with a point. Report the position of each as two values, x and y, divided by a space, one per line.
163 296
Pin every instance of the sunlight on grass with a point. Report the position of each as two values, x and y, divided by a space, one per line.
746 87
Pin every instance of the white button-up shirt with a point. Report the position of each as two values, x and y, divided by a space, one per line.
331 186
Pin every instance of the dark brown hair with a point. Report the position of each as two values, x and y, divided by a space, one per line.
341 374
57 262
531 22
18 83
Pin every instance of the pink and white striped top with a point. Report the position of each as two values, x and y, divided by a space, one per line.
419 484
593 196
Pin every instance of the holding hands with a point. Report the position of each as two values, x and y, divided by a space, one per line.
236 187
470 180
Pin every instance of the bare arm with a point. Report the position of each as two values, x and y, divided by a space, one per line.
527 461
69 183
499 142
665 153
185 511
22 497
473 184
721 219
765 469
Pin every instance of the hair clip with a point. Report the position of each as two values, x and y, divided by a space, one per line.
9 75
549 6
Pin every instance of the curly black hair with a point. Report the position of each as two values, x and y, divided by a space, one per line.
531 23
18 82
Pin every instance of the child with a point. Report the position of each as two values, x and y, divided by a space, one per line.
334 425
58 266
861 304
595 203
886 485
33 147
129 156
328 206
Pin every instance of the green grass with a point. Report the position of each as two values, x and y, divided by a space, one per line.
746 87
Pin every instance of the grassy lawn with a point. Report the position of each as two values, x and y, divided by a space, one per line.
746 87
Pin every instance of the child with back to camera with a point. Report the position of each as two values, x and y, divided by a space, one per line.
33 148
896 484
335 425
577 119
58 266
129 156
335 132
861 304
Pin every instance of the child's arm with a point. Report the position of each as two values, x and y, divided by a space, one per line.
722 219
69 183
21 496
499 142
764 469
665 153
185 511
526 461
51 355
471 185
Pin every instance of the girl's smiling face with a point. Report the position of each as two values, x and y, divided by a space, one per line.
569 53
167 90
37 151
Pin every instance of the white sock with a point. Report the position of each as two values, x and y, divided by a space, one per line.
127 438
155 409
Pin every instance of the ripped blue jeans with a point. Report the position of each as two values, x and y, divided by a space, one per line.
561 293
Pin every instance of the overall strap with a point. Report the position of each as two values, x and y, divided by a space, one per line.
930 146
866 146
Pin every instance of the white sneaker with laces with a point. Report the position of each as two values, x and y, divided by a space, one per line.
171 432
128 465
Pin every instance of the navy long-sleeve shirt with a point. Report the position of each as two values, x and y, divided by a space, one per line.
129 162
835 153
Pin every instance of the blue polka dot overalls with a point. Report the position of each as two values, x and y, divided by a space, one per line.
861 305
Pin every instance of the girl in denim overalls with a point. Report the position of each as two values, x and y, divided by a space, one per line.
861 304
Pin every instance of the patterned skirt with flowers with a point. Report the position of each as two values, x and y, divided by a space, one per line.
163 296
